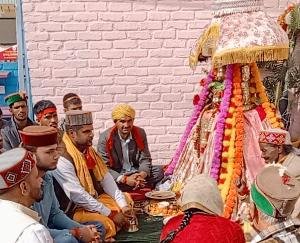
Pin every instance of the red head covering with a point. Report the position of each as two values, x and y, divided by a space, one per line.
39 136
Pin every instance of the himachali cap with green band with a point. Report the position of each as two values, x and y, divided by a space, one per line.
275 191
15 97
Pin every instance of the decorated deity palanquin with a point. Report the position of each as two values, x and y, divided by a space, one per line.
221 137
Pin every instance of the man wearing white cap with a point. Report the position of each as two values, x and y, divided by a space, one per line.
20 187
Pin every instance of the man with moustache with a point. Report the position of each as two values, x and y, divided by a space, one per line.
20 187
42 141
85 178
18 108
46 113
124 148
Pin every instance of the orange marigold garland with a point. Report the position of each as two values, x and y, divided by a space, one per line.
228 153
238 161
269 109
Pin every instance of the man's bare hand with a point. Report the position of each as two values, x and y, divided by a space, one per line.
120 220
86 234
131 180
127 211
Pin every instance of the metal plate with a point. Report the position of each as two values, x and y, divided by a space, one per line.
160 195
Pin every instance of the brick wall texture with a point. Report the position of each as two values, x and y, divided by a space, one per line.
121 51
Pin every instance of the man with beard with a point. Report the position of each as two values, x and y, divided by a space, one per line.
85 178
124 148
20 187
42 141
18 108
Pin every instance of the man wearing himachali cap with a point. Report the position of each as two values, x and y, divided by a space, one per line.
20 187
273 194
276 147
18 108
85 179
42 142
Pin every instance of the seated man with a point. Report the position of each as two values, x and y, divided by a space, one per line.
202 204
18 108
46 113
85 178
20 187
273 194
71 102
276 147
42 141
124 148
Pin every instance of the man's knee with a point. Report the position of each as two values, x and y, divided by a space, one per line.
64 237
157 173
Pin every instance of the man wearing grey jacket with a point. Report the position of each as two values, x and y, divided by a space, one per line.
124 148
18 108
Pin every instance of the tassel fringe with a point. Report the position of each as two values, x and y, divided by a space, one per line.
250 55
205 45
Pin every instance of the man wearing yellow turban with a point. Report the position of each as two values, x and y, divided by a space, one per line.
124 148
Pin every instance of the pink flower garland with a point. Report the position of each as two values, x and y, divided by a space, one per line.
195 115
216 161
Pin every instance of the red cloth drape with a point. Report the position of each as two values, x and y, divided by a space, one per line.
203 229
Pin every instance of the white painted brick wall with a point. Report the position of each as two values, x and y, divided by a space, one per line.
121 51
